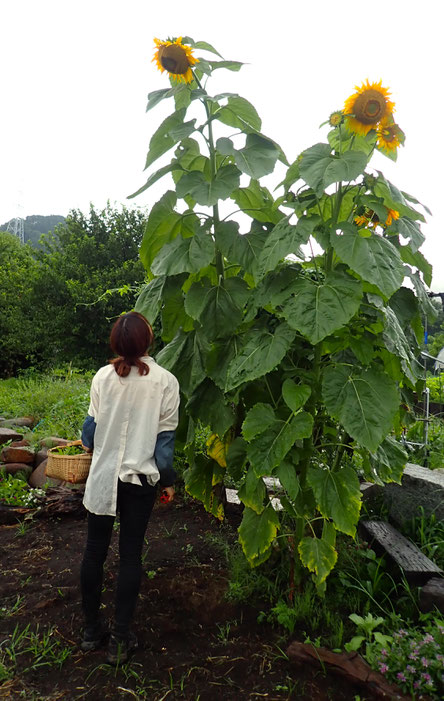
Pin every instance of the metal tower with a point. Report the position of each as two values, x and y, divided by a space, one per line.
17 227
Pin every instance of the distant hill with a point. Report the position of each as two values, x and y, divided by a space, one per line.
36 225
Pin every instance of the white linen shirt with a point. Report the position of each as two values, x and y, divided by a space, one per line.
129 413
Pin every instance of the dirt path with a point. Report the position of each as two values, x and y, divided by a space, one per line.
194 645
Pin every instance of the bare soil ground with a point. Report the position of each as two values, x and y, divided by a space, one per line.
193 643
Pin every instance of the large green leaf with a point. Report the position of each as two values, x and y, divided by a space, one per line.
253 492
257 202
425 304
337 495
295 395
258 419
162 226
149 300
217 307
257 532
317 310
162 140
387 463
236 458
396 342
157 96
318 555
257 158
319 168
261 352
207 404
364 401
285 239
286 472
200 480
244 249
409 230
173 311
374 258
416 259
184 357
394 199
267 450
184 255
239 113
209 192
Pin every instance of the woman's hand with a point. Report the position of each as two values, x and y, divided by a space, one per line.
87 450
167 494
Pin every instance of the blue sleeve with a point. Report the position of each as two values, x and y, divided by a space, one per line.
88 430
163 455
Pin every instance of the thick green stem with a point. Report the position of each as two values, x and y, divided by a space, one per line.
311 408
213 169
329 251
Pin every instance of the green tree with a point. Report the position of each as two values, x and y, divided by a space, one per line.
17 270
86 256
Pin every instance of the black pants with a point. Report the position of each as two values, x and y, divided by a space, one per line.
134 504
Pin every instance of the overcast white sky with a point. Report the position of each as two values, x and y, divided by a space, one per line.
75 76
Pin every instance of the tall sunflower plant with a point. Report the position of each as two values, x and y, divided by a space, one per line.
303 367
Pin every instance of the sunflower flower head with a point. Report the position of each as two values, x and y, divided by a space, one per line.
336 118
390 136
392 216
367 107
362 220
175 58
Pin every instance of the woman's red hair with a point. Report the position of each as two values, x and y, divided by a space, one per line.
131 336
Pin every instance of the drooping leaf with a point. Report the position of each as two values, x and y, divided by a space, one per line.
184 356
236 458
218 307
258 157
252 492
155 177
220 357
286 472
162 140
157 96
410 230
258 419
200 479
396 342
338 496
257 532
174 315
295 395
262 352
207 404
364 401
418 261
317 310
149 300
394 199
318 556
375 259
243 249
387 463
267 450
162 226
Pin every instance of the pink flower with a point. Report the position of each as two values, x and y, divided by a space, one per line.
383 668
401 677
425 662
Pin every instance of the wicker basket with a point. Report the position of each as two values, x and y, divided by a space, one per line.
68 468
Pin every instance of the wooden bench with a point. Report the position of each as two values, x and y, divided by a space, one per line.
417 567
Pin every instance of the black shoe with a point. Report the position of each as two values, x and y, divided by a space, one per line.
119 648
93 637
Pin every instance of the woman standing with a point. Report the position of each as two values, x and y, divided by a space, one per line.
131 421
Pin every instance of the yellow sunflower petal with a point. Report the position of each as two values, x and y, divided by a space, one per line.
175 58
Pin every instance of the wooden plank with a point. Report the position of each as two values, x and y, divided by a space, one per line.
417 567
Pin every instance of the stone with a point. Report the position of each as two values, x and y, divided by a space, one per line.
52 441
26 421
14 453
419 487
38 478
12 468
432 594
40 456
7 434
369 490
